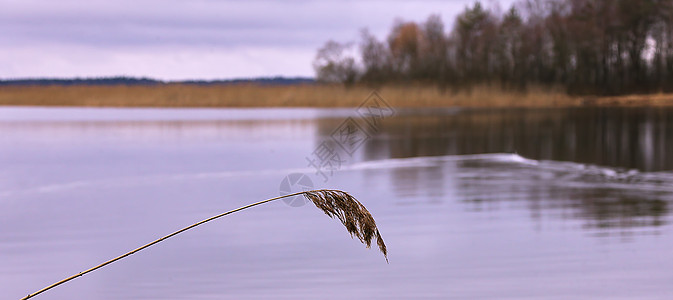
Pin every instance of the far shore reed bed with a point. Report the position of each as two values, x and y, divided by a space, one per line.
303 95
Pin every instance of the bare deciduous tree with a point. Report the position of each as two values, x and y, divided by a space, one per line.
333 65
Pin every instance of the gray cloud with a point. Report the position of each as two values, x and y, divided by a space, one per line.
92 38
172 22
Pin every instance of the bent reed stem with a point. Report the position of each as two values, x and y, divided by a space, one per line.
310 195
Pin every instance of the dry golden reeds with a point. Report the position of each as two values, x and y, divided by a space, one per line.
305 95
254 95
335 203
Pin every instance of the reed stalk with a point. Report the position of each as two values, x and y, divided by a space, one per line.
335 203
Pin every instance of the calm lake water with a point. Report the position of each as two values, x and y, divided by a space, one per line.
473 204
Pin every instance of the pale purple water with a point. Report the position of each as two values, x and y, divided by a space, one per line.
485 204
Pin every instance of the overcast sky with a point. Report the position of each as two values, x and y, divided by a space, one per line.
203 39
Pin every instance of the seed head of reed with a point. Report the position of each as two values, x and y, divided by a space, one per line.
357 219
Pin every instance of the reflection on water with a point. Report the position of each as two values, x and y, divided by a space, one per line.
618 137
603 199
615 151
489 204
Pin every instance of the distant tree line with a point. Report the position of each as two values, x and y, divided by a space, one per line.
585 46
121 80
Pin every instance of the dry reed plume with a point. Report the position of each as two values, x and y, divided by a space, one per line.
335 203
355 216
